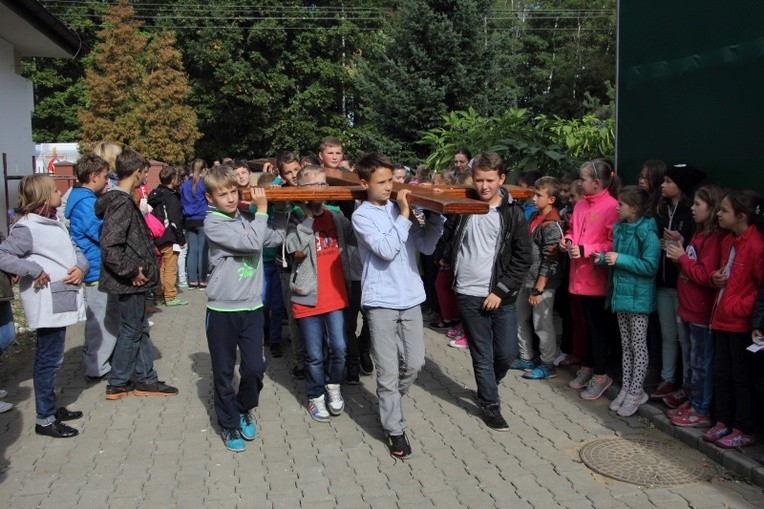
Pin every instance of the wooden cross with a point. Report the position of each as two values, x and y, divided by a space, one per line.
345 186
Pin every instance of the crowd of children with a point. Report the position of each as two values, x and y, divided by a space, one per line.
581 251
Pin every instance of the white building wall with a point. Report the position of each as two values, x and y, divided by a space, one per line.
16 104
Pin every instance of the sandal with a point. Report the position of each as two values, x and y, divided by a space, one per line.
202 285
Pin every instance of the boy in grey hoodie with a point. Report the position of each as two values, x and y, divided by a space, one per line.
235 307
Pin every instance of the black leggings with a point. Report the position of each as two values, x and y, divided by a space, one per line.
596 332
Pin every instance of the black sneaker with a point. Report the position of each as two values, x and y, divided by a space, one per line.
56 429
494 420
119 391
367 366
157 388
399 446
298 373
352 378
64 414
277 350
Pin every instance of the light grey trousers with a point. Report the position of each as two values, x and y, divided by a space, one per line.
101 329
397 346
543 324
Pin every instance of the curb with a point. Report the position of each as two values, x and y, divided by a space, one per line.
731 459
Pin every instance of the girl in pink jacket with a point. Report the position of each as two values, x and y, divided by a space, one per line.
591 232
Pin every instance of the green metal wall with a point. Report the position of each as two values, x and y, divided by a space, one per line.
691 87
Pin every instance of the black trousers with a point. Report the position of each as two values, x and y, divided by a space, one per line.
732 380
227 331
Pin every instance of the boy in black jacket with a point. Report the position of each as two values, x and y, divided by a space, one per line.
129 269
165 201
490 255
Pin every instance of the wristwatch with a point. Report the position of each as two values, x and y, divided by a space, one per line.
536 292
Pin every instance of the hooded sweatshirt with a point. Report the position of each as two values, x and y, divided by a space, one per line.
236 247
166 208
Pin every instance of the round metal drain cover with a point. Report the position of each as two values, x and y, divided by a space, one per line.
642 461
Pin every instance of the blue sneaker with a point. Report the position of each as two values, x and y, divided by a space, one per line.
540 372
247 427
522 364
232 440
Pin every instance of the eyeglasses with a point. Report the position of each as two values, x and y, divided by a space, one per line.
315 184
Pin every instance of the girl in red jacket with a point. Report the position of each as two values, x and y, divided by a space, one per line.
591 231
696 298
738 278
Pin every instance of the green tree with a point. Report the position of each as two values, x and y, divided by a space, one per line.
434 57
168 124
59 89
113 77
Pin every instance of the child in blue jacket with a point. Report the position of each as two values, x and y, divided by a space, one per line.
631 290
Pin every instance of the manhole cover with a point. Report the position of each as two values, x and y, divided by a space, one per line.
642 461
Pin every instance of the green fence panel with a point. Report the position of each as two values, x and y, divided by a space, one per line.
691 87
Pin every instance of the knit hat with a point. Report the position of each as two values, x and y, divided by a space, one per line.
686 177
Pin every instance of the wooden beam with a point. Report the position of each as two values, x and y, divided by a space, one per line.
344 186
425 198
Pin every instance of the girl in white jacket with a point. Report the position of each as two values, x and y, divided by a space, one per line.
50 267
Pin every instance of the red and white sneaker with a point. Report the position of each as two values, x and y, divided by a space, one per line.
682 409
735 440
719 431
458 342
691 419
663 390
455 331
675 399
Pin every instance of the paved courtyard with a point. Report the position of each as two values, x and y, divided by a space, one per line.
166 452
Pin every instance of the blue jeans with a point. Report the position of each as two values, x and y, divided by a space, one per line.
702 363
197 265
48 356
492 339
7 327
273 301
314 330
132 353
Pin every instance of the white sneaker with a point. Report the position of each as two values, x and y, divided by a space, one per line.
4 407
632 403
336 403
317 409
3 393
618 401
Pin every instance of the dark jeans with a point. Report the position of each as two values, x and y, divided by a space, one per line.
492 339
273 301
732 381
596 324
132 353
314 330
48 356
225 332
701 381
